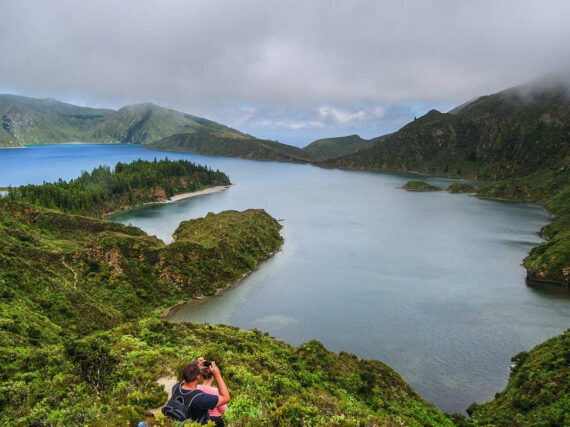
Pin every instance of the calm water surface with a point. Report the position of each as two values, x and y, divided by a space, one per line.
429 283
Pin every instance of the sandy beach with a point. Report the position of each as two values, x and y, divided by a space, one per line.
174 198
195 193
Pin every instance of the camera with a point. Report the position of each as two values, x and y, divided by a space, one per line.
207 363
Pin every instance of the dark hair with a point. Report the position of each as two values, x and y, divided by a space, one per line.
191 371
207 373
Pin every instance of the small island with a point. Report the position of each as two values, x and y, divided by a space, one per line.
461 187
420 186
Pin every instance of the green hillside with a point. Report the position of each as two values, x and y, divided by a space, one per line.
330 148
40 121
214 144
145 123
510 134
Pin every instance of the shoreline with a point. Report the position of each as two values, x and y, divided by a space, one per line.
183 196
166 312
175 198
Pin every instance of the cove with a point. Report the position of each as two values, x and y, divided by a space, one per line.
429 283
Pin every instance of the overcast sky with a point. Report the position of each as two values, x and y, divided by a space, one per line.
287 70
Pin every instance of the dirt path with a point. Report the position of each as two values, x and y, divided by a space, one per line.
72 270
167 383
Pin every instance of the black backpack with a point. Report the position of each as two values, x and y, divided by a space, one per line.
178 406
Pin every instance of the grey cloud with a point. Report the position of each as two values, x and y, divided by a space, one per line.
204 56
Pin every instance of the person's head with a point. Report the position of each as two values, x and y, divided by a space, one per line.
191 371
207 373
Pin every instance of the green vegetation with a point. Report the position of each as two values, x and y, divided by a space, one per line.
538 392
83 274
513 133
41 121
330 148
420 186
109 378
104 191
549 261
81 341
214 144
461 187
146 123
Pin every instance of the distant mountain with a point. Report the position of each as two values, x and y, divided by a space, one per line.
330 148
39 121
34 121
241 146
146 123
512 133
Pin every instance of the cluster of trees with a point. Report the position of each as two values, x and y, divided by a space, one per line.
104 190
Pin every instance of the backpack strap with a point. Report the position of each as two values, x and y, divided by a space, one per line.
191 395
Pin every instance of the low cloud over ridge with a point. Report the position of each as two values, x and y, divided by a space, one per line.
204 57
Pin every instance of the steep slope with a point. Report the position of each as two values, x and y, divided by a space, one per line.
510 134
214 144
330 148
85 274
538 392
145 123
36 121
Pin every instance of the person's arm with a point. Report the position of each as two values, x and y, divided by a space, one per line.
222 389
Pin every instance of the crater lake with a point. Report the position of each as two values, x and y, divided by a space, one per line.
429 283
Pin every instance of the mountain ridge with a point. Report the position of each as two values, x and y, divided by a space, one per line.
28 120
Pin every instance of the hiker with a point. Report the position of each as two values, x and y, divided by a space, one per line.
189 402
206 387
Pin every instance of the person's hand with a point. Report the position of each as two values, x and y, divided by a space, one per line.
214 369
200 361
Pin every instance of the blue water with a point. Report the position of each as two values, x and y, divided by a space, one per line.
429 283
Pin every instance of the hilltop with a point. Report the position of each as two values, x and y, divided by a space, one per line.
228 146
330 148
146 123
41 121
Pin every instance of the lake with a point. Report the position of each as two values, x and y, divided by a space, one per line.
429 283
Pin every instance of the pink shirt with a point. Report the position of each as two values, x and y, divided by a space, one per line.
217 412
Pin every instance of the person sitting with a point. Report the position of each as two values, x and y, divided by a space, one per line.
189 402
206 387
